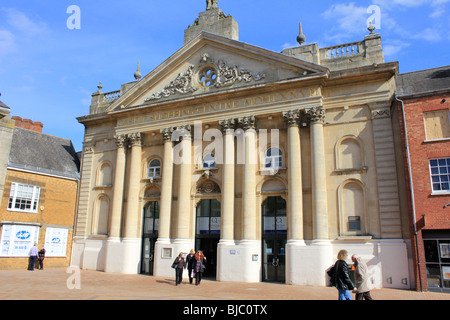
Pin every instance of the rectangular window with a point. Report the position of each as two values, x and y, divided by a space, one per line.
440 175
437 124
17 240
23 197
56 242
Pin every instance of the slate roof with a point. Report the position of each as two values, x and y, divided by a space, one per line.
423 82
43 153
4 110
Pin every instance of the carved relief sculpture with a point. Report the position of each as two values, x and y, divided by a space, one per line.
182 84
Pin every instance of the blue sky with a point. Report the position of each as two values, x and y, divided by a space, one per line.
48 72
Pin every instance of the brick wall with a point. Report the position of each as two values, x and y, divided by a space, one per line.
56 209
431 206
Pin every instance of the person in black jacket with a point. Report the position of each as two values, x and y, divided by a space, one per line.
342 277
190 262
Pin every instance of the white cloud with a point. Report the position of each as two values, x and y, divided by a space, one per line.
391 49
429 34
349 17
7 42
19 21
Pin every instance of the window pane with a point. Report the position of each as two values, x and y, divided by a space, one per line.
431 251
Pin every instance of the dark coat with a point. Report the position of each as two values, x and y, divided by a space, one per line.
180 262
342 276
190 261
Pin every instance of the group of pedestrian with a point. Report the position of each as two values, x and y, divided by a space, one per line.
340 277
36 255
194 263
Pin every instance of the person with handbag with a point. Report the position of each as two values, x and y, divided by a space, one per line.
199 268
342 279
179 264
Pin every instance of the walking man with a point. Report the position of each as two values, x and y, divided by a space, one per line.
362 285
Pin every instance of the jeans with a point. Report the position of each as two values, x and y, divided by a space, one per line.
178 275
32 262
345 295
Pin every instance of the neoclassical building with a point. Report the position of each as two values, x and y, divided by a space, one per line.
270 163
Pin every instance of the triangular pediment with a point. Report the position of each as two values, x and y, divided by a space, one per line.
212 64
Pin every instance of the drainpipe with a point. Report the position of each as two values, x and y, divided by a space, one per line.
412 190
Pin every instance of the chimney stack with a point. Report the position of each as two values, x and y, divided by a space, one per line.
28 124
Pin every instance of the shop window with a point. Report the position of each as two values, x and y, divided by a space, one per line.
56 242
17 240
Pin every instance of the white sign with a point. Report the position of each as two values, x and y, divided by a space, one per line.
56 242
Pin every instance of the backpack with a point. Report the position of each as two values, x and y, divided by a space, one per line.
332 274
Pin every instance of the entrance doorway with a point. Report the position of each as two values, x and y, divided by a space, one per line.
274 239
207 233
149 236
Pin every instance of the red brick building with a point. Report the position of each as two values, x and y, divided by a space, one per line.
423 101
39 197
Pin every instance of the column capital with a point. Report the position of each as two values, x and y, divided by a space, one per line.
121 141
317 115
183 131
291 117
227 125
167 134
135 139
247 123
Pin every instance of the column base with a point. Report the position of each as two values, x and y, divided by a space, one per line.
123 255
239 261
306 263
163 261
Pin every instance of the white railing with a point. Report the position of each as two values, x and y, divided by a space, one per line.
112 96
343 50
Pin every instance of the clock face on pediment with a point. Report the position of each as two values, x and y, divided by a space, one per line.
211 64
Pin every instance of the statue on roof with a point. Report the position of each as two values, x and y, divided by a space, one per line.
211 4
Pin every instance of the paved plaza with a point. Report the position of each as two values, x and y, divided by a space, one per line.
57 284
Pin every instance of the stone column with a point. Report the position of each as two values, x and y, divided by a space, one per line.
113 256
249 187
184 187
295 187
319 179
227 214
133 210
166 188
131 243
119 179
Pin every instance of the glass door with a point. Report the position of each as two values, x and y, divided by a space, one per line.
149 236
274 239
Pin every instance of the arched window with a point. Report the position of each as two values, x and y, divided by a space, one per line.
105 175
209 161
273 159
352 208
102 216
154 169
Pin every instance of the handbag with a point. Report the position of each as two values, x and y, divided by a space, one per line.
174 265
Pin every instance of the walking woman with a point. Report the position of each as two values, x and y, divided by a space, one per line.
179 264
342 276
190 263
199 268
